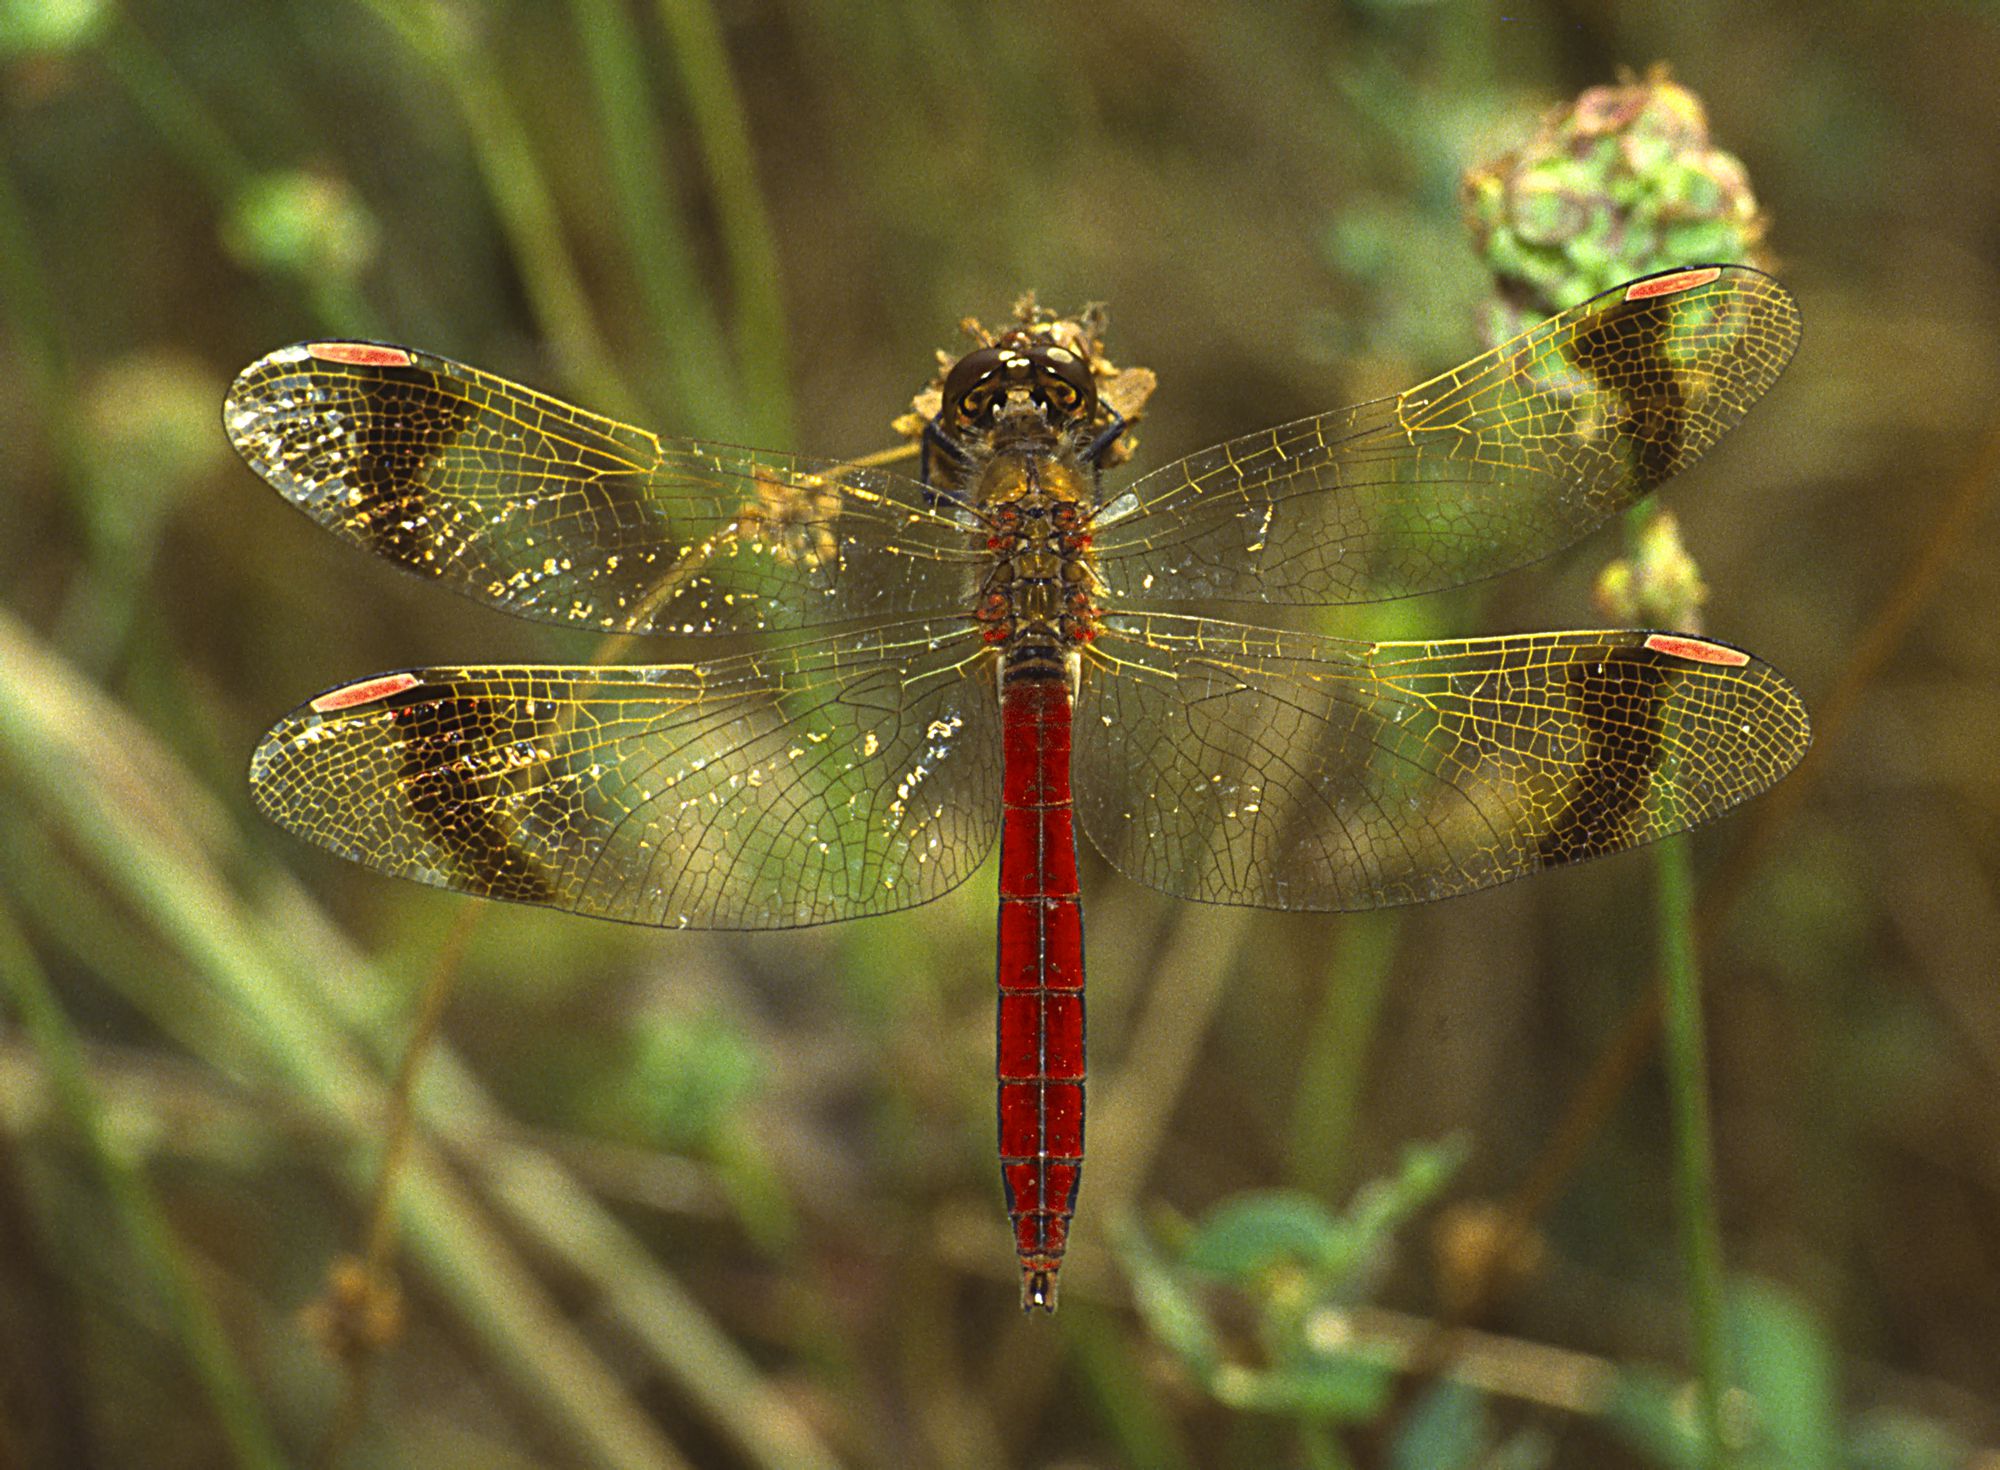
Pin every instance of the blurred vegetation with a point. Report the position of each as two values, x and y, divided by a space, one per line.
730 1200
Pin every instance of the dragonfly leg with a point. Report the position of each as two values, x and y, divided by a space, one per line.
936 441
1108 436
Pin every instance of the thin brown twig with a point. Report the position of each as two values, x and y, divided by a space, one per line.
894 455
430 1016
362 1296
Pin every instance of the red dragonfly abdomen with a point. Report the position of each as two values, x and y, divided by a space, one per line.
1040 1050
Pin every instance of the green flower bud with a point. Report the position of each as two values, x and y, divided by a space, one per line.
1623 182
302 224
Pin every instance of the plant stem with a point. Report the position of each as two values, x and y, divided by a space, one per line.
1328 1094
175 108
1694 1158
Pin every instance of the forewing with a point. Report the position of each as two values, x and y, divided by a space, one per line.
1241 765
1506 459
795 786
554 513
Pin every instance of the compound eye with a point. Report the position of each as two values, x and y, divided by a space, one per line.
968 387
1066 386
976 406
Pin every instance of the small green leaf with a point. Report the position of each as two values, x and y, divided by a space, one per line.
1785 1364
1251 1234
1384 1204
1169 1309
1447 1430
1346 1387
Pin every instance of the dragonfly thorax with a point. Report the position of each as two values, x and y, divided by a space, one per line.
1040 586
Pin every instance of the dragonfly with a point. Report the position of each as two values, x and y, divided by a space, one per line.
906 668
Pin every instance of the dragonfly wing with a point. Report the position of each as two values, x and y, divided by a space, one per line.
794 786
1242 765
557 514
1506 459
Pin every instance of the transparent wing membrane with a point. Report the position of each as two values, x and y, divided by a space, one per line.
554 513
1508 458
858 773
853 761
1240 765
799 785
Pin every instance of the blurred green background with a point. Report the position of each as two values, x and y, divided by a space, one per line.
730 1200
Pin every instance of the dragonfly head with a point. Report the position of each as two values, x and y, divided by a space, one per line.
1021 373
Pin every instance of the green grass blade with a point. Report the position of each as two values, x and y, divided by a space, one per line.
302 991
521 196
685 335
136 1210
724 137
